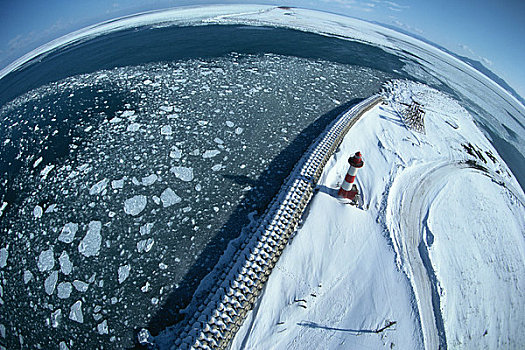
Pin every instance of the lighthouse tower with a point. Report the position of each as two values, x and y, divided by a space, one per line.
348 188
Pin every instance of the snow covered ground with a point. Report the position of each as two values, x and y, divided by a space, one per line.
438 245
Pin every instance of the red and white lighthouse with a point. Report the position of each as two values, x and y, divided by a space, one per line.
348 188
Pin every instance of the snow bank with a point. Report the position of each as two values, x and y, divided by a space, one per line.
437 245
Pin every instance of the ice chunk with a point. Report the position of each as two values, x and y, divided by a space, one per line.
123 273
46 260
116 184
4 254
218 141
75 313
183 173
135 205
38 211
45 172
68 232
37 162
156 200
239 131
166 130
167 109
145 245
2 208
63 346
51 209
28 276
210 153
56 316
99 187
198 187
102 328
175 153
147 82
230 124
51 282
168 198
90 244
145 288
146 228
127 114
64 290
65 264
216 167
133 127
80 286
149 180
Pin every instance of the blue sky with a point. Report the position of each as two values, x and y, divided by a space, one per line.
492 32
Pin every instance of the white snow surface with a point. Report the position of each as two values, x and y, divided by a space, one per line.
350 270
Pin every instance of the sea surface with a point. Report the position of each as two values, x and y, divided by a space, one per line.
129 161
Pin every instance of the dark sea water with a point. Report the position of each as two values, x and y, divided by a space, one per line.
129 162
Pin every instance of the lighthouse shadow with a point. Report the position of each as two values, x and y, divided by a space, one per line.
332 192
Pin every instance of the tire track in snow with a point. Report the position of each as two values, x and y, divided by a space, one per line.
410 200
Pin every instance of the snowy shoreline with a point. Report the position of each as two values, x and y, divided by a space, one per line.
441 239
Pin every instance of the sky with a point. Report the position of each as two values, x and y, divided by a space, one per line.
489 31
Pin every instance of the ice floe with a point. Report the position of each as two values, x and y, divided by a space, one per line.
146 229
117 184
182 173
175 153
133 127
28 276
135 205
68 232
80 286
50 282
56 316
90 244
75 312
4 254
45 172
99 187
210 153
65 264
46 260
123 273
149 180
64 290
166 130
37 212
169 197
145 245
102 327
